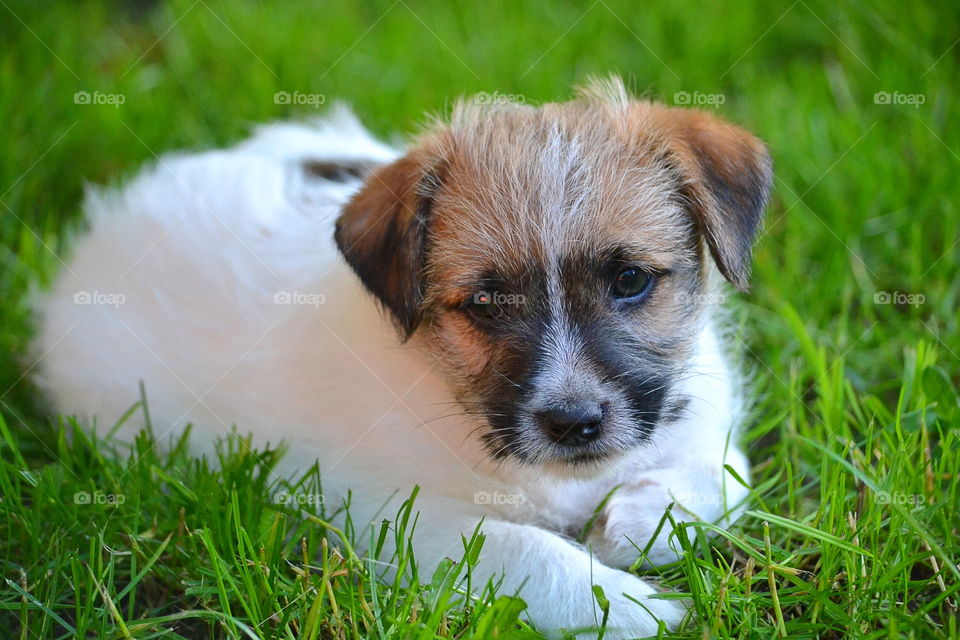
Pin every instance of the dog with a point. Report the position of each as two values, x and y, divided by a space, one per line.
517 315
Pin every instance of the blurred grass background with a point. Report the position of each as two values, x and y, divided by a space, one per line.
857 100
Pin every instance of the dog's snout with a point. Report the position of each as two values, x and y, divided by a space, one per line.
572 424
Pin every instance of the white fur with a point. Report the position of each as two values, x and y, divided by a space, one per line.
202 248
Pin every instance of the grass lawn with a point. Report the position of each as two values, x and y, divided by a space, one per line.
851 332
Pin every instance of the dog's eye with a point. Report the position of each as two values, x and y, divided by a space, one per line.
632 283
482 305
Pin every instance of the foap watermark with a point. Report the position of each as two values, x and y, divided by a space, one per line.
495 303
297 499
698 99
499 299
499 498
899 297
700 298
299 298
886 497
702 499
314 100
896 98
99 298
499 98
86 97
98 497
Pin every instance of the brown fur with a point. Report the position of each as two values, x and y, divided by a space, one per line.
537 197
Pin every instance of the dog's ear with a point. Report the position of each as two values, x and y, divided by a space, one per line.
382 234
726 175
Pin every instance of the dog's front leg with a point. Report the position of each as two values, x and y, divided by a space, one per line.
555 577
697 487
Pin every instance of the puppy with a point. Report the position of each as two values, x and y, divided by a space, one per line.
548 343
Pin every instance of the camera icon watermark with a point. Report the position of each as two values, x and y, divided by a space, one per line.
86 97
499 498
900 298
499 299
496 303
896 98
299 298
700 298
499 98
314 100
913 499
696 98
297 499
98 497
703 499
99 298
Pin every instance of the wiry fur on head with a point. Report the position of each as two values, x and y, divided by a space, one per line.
544 207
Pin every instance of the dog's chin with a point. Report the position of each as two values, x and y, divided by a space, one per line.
585 458
565 462
583 465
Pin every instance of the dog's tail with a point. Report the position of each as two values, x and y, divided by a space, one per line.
338 138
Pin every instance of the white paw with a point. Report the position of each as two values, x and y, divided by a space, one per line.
628 619
633 513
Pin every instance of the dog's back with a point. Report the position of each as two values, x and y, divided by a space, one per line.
213 279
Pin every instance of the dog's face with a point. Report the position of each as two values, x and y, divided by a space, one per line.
556 258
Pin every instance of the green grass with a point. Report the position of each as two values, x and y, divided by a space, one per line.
853 530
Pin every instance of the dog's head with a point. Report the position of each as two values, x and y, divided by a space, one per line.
557 258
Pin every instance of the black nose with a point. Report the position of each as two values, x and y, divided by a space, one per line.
573 424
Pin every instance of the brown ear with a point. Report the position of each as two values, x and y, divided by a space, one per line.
727 175
382 233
